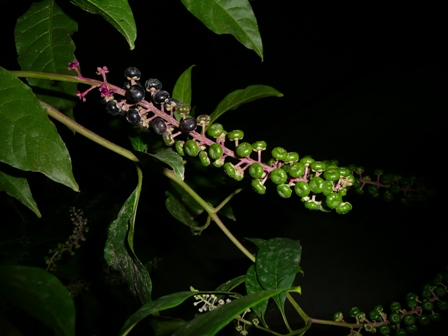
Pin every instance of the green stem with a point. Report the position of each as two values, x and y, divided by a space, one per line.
336 323
58 77
70 123
228 198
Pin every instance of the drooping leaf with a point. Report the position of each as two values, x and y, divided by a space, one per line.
172 159
178 210
117 256
41 294
253 286
210 323
238 97
43 43
28 139
233 17
17 187
277 264
117 12
182 89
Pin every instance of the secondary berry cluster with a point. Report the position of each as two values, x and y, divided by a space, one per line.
320 184
403 320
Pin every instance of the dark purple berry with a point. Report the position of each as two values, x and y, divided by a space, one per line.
133 116
161 97
171 104
159 125
132 73
188 125
135 94
153 84
112 108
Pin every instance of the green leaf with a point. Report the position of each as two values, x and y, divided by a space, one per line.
17 187
231 284
182 89
194 208
117 12
238 97
210 323
179 211
165 326
43 43
28 139
172 159
40 294
277 264
253 286
138 144
233 17
258 242
117 256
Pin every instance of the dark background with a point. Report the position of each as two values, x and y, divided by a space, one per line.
362 84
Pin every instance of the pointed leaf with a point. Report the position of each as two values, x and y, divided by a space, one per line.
138 144
179 211
117 12
258 242
194 208
210 323
28 139
40 294
17 187
116 252
233 17
231 284
182 89
277 264
43 42
253 286
238 97
172 159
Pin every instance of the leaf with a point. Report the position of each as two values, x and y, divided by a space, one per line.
40 294
43 43
162 303
165 326
172 159
17 187
116 252
277 264
253 286
179 211
187 200
238 97
138 144
28 139
258 242
210 323
117 12
182 89
233 17
231 284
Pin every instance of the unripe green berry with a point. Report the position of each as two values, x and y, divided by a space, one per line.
395 306
412 328
331 174
412 296
215 130
401 332
318 166
317 185
180 148
244 149
215 151
302 189
338 316
229 169
372 190
342 191
375 316
409 320
333 200
343 208
297 169
384 329
435 317
278 176
307 160
256 170
328 188
271 162
284 191
191 148
259 188
439 291
394 189
427 305
203 157
259 146
292 157
443 305
354 311
168 138
219 163
344 171
279 153
235 135
394 318
203 120
312 205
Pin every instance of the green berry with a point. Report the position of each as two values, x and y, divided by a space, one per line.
375 316
244 149
203 120
439 291
302 189
307 160
168 138
317 185
312 205
353 311
279 153
424 319
378 171
394 189
284 191
401 332
435 317
342 192
412 328
271 162
278 176
372 190
338 316
215 151
286 168
215 130
333 200
183 109
395 318
259 188
332 174
292 157
229 169
219 163
203 157
259 146
427 305
333 162
384 329
297 169
426 293
386 179
235 135
359 170
180 148
191 148
411 304
412 296
409 320
395 306
318 166
344 171
256 170
328 188
443 305
361 317
343 208
388 197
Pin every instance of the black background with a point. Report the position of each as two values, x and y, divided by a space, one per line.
362 84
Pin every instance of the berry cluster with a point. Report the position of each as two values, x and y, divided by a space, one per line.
401 321
320 184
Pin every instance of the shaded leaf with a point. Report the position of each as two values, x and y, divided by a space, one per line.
277 264
182 89
17 187
258 242
238 97
185 198
210 323
165 326
227 211
43 43
233 17
179 211
231 284
138 144
28 139
172 159
116 252
117 12
40 294
253 286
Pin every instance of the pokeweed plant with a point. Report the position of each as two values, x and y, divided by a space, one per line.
30 142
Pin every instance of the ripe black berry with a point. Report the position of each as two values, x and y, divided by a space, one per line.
135 94
112 108
161 97
132 73
153 84
133 116
159 125
188 125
